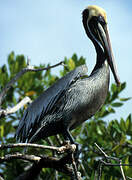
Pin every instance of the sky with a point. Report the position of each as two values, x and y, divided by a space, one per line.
47 31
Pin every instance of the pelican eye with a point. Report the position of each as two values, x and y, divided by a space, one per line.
101 20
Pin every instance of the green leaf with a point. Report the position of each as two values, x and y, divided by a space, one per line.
99 130
116 126
123 124
128 123
115 147
71 64
111 110
113 88
1 132
123 85
116 134
127 162
129 141
117 104
125 99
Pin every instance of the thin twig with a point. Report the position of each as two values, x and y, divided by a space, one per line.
123 175
129 178
84 170
101 150
121 165
74 167
100 171
105 155
110 164
56 175
19 74
54 154
109 157
15 108
1 178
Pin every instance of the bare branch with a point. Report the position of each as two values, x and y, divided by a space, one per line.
61 149
39 163
99 171
59 164
122 172
19 74
1 178
105 155
129 178
109 164
27 157
77 174
15 108
84 170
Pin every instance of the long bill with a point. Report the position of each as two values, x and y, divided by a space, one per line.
107 45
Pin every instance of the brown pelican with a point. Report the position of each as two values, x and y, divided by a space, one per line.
74 98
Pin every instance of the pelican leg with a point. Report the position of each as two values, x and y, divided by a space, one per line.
68 137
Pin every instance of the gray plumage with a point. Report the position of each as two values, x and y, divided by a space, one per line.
65 105
36 114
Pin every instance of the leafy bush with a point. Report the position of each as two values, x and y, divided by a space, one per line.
115 136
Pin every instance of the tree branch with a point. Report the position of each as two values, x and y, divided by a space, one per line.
19 74
62 149
109 164
8 111
1 177
77 175
59 164
27 157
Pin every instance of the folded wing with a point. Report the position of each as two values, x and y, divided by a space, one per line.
45 102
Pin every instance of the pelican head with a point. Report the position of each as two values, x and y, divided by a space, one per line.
95 24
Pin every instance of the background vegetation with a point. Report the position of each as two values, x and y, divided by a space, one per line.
113 136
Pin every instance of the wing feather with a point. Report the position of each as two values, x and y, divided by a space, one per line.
45 102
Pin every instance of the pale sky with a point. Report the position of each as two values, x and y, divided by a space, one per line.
47 31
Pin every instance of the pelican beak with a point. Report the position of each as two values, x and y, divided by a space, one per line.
105 41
